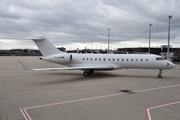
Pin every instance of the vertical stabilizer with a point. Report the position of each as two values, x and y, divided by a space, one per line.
45 46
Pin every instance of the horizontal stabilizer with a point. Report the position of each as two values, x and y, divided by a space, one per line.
23 65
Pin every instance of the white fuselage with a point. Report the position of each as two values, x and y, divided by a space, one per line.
118 61
92 62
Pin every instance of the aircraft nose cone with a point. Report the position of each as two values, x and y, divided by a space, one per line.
171 65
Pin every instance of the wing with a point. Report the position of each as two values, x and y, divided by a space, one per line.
94 67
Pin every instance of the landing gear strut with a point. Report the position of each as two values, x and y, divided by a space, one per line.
91 71
160 73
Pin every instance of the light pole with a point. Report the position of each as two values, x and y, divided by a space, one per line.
108 39
170 17
150 37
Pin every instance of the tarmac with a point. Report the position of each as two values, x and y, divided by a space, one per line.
126 94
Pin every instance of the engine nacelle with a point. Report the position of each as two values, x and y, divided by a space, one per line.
58 58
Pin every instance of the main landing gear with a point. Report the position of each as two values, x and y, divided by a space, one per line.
86 73
160 73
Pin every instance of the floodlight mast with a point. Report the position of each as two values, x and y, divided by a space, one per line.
170 17
150 38
108 39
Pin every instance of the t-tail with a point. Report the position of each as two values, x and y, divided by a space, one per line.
46 47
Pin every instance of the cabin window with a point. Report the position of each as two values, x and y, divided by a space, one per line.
131 59
104 59
118 59
113 59
136 59
99 59
87 59
91 59
146 60
141 59
109 59
126 59
95 59
122 59
83 58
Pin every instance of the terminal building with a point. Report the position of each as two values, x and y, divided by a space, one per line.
174 53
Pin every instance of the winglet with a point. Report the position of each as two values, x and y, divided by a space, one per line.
23 65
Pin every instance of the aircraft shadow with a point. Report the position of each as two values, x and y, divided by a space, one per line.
78 77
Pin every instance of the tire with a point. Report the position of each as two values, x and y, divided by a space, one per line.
159 76
86 73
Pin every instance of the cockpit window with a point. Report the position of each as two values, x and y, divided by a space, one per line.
159 58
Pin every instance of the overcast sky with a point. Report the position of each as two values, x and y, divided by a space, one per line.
84 23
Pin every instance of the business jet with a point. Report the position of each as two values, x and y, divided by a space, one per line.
96 62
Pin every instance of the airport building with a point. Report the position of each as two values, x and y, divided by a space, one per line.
174 52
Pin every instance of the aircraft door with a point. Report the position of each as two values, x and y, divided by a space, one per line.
70 58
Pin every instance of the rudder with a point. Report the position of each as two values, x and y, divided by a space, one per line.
45 46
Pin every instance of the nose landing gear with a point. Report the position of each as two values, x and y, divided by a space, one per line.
160 73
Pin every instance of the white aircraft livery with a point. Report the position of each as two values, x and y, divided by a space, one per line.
97 62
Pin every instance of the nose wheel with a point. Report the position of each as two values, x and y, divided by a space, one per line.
160 73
